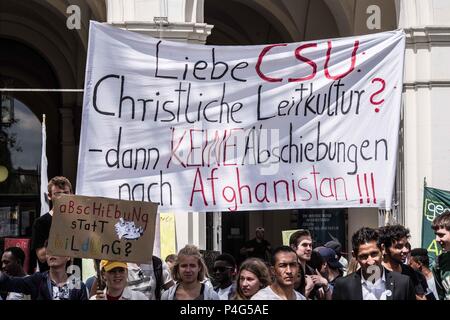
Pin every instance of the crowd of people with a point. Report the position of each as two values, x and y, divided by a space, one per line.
382 267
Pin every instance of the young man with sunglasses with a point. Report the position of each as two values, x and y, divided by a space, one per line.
224 271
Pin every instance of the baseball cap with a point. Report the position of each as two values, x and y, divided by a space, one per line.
330 256
108 265
336 246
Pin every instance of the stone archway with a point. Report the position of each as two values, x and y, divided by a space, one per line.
40 27
248 22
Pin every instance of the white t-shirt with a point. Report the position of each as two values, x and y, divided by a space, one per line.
16 296
141 278
268 294
223 293
375 291
432 287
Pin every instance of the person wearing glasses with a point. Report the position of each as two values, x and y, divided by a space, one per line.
189 273
57 186
257 247
224 271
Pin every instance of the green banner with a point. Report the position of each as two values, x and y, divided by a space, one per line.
435 202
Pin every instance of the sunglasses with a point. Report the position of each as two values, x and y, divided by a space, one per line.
221 269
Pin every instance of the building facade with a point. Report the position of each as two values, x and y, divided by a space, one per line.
42 68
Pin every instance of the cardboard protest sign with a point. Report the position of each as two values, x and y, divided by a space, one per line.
167 234
286 234
102 228
224 128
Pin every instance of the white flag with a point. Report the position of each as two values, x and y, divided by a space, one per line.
44 178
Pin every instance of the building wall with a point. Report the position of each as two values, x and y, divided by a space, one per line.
358 218
426 112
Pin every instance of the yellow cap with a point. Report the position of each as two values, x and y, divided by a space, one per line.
108 265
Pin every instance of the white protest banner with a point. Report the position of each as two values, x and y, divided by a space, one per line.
222 128
102 228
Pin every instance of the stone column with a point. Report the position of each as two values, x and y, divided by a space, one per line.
426 96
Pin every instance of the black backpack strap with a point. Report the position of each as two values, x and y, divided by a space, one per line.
157 269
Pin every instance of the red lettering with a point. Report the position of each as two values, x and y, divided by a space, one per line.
259 62
308 61
192 148
315 173
233 198
275 183
201 190
373 188
71 206
335 188
245 186
265 192
174 150
383 85
352 66
212 178
306 190
329 186
229 145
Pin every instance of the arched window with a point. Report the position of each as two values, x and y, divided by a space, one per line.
20 154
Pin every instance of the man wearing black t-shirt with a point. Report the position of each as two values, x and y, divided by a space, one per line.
258 247
393 240
57 186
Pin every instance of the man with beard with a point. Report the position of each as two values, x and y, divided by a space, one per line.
372 281
393 240
285 269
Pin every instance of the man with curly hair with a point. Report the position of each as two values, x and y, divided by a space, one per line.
371 281
393 240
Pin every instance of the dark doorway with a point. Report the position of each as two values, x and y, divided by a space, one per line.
234 231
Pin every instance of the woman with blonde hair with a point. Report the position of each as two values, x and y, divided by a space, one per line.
253 276
189 272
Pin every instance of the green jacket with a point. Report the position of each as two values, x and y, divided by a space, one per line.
441 272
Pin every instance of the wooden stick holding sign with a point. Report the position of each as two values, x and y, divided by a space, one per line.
103 228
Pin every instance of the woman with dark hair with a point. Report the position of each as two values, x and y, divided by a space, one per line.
253 275
189 272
